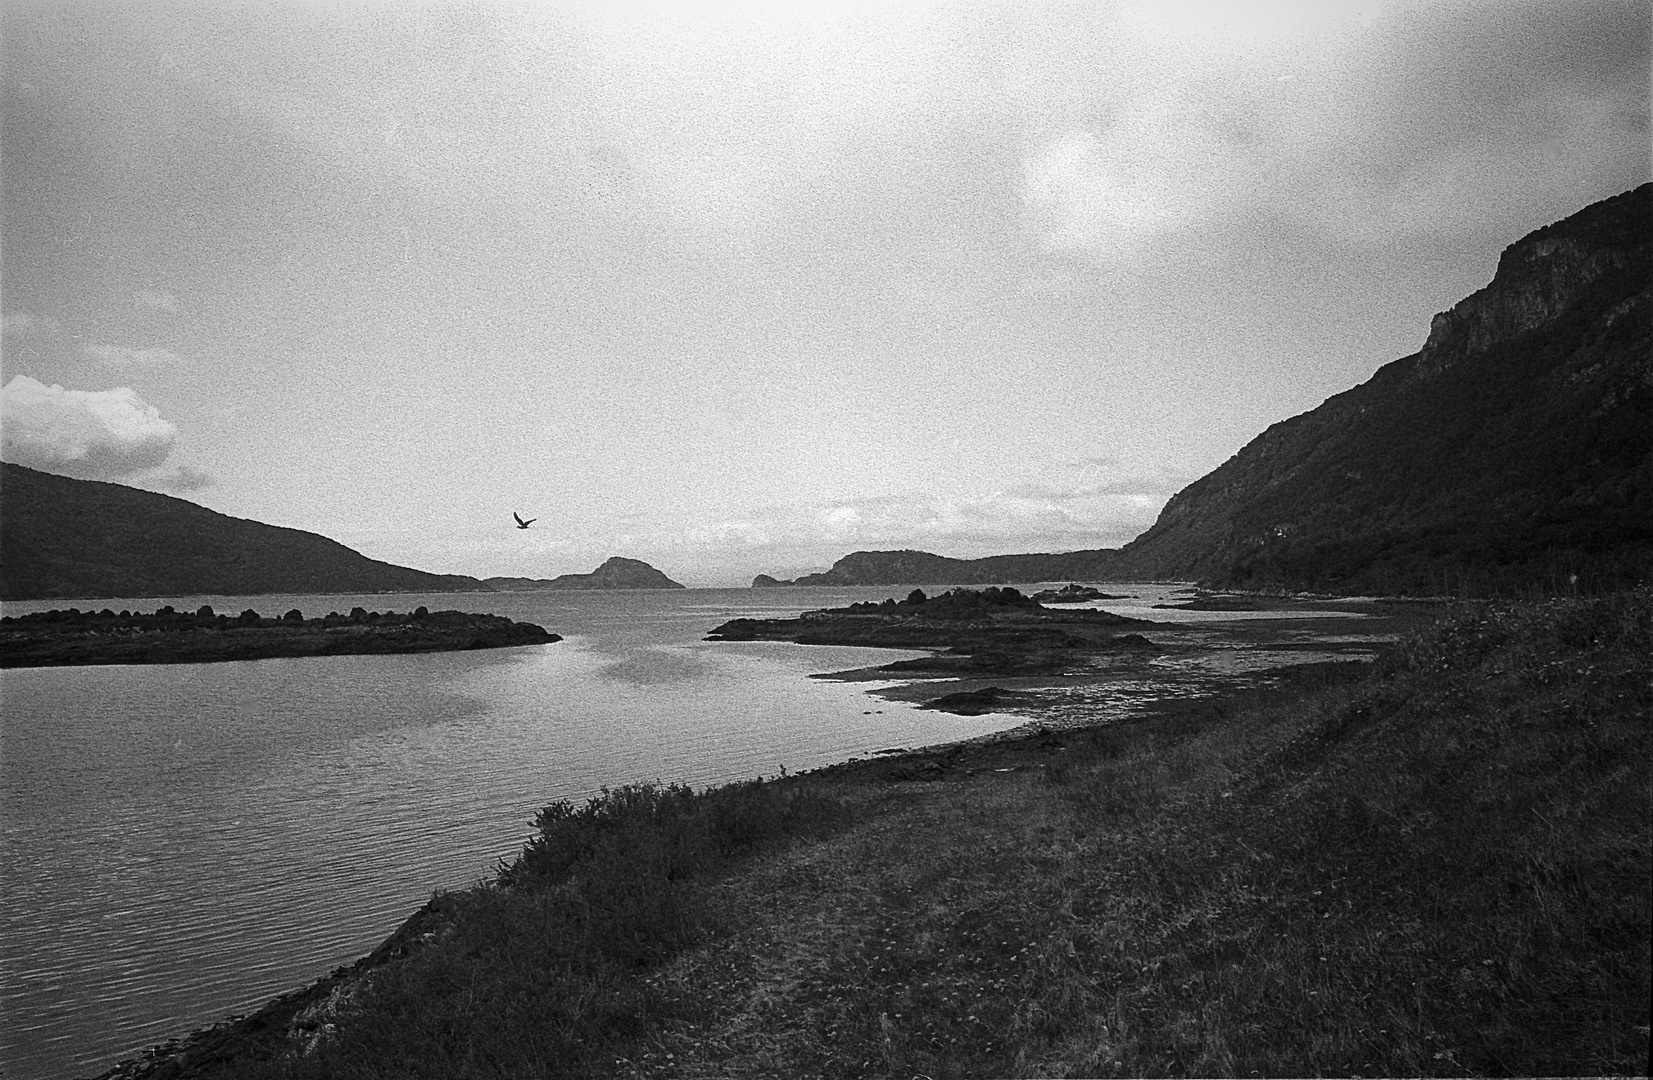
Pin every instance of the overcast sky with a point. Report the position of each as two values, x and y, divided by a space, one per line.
739 292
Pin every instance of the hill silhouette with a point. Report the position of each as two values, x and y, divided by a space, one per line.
1513 451
615 573
62 538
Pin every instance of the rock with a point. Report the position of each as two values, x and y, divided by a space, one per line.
1073 594
971 702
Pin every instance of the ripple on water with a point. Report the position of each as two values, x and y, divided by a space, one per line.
186 842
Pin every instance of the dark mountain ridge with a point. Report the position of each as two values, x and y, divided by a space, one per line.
1513 451
62 538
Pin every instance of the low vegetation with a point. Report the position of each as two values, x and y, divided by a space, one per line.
57 638
1436 865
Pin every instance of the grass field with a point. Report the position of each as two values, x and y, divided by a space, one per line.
1437 865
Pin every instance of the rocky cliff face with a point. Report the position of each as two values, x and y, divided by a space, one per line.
1541 276
1516 445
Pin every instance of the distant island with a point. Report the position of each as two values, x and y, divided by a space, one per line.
616 573
61 638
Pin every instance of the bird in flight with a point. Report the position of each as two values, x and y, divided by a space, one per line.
521 524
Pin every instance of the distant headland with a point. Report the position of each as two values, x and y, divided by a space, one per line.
62 539
616 573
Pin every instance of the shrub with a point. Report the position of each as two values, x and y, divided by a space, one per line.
684 832
293 616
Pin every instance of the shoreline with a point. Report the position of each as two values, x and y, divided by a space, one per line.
304 1012
300 1018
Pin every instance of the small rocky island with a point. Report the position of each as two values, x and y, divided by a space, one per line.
59 638
1074 594
615 573
993 631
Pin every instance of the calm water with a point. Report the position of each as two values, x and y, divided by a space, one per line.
185 841
182 842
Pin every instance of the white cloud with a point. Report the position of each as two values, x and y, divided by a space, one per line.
1112 194
126 356
155 299
99 434
1196 117
1026 518
839 520
184 478
23 324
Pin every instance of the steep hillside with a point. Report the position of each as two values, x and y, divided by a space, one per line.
64 538
1515 449
615 573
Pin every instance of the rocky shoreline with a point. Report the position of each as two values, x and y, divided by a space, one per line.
73 637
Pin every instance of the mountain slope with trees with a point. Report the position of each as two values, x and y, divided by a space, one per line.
66 538
1514 450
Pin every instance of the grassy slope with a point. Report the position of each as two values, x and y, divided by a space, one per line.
1440 868
61 537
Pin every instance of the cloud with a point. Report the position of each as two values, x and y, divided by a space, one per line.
1363 125
126 356
184 478
102 434
1048 492
1027 518
23 324
155 299
1112 193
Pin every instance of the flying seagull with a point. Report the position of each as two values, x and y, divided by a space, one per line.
521 524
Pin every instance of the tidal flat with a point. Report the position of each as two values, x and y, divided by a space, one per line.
1436 863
